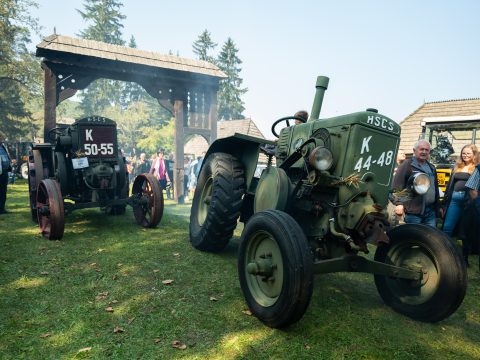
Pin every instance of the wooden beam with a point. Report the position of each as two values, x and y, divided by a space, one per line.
180 110
167 105
206 133
50 97
65 94
212 113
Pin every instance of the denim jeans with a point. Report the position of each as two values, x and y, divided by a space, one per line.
454 211
428 218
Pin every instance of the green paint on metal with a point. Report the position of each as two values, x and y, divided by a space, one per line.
264 267
321 86
273 190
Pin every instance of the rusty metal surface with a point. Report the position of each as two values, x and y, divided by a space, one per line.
148 200
51 217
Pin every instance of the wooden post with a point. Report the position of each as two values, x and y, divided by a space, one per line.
180 112
50 107
211 100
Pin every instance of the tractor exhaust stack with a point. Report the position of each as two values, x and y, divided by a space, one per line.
321 86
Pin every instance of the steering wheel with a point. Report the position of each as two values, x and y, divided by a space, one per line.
286 118
56 131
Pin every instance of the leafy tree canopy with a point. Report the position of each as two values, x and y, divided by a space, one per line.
157 137
20 71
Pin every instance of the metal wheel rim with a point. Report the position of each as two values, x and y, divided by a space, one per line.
414 256
265 293
204 202
50 220
145 211
44 220
24 171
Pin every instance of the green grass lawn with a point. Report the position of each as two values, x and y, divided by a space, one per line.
100 293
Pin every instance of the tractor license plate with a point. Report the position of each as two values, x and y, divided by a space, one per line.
80 163
441 179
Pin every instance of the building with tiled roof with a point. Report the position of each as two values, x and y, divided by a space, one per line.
197 145
460 111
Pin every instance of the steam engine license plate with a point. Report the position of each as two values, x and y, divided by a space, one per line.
80 163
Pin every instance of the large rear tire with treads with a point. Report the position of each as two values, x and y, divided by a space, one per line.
217 202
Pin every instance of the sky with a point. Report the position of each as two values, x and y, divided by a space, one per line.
388 55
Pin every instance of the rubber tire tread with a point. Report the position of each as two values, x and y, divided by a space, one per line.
297 259
452 285
223 212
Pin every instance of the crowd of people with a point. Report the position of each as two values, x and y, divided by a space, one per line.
460 208
163 167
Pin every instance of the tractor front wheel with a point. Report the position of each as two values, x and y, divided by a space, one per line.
217 202
275 267
35 175
444 281
148 200
50 211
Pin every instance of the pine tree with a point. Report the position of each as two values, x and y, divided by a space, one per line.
106 26
19 70
230 104
203 45
106 18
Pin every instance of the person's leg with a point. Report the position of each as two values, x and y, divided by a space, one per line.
3 190
467 224
453 212
163 184
430 218
412 219
185 187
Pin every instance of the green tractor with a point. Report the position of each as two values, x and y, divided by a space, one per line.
316 211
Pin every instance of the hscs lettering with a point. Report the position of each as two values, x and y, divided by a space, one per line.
380 122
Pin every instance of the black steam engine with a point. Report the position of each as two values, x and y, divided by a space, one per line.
82 168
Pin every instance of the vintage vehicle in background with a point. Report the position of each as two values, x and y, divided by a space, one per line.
448 135
316 211
82 168
19 151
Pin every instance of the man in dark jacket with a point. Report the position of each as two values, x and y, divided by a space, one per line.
4 169
418 209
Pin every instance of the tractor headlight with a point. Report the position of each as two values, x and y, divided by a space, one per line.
321 158
421 183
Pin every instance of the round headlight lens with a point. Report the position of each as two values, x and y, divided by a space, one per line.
321 158
421 183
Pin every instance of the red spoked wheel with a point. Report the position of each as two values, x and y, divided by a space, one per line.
148 200
35 175
50 212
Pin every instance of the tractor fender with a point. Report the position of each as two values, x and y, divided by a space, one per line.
245 148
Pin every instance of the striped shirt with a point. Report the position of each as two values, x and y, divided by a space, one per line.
474 180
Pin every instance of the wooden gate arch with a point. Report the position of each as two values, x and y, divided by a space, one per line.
187 88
